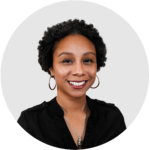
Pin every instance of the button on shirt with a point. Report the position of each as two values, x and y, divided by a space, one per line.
46 123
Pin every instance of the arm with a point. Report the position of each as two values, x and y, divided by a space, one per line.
121 140
23 132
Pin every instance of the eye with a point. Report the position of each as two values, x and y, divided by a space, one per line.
87 60
66 60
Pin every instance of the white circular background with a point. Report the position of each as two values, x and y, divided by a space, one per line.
124 80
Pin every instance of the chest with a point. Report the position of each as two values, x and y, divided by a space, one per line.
77 128
77 131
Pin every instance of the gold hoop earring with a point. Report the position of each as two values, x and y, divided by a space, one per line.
49 84
97 85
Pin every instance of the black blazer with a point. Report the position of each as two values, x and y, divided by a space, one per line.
45 122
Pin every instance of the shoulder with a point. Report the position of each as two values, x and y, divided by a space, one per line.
108 110
33 111
105 106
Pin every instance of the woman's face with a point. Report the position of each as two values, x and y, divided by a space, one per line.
74 59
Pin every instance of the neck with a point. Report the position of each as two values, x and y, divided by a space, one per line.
71 104
75 111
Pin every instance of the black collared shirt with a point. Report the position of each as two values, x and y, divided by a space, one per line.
46 123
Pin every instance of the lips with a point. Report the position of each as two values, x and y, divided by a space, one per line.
77 85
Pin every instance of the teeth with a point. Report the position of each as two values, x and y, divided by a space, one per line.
77 83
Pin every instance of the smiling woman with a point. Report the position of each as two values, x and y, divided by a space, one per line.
74 60
72 52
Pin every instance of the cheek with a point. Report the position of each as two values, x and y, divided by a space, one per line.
92 71
92 76
62 71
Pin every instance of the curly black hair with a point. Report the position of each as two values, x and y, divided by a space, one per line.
55 33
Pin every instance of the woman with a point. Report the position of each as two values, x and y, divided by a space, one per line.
72 52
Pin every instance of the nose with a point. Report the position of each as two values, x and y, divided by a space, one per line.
78 69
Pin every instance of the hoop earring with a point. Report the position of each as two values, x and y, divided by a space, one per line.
49 84
90 87
97 85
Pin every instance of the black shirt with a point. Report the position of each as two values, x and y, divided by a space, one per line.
45 122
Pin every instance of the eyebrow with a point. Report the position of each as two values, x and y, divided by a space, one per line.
68 53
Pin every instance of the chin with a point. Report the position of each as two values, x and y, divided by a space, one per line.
77 94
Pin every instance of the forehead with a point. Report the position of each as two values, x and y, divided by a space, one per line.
75 44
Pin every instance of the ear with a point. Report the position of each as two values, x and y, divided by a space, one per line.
51 71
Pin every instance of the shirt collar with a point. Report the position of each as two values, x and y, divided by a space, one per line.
57 110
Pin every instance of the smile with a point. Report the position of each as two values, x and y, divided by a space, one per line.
77 84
